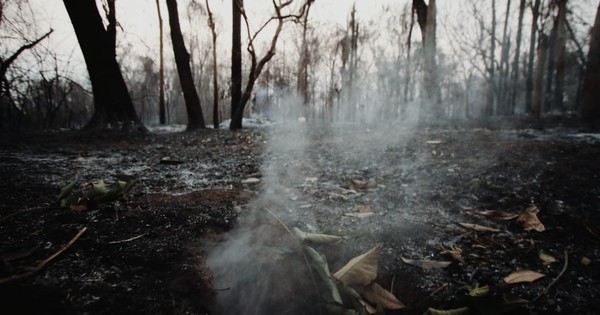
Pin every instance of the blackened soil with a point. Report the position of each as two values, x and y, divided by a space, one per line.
145 254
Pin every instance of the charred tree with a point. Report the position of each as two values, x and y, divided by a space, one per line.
215 76
535 13
184 70
490 104
561 42
112 103
161 70
538 86
304 61
515 66
505 49
590 109
236 59
420 9
431 106
111 28
257 65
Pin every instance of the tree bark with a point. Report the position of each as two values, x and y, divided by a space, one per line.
304 61
257 66
236 57
431 106
503 89
215 77
590 109
551 64
535 12
112 103
561 42
182 59
420 8
161 70
515 67
490 106
111 28
538 86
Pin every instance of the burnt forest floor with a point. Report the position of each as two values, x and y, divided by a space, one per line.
160 249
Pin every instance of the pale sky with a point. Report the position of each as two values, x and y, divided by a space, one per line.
138 19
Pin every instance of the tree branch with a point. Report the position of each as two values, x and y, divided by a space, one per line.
5 64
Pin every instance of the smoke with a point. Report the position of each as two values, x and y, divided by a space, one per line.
259 267
308 161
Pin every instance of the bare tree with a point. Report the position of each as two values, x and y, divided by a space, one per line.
561 50
236 58
431 93
215 77
516 63
257 65
535 13
538 89
112 103
161 69
590 109
182 59
304 60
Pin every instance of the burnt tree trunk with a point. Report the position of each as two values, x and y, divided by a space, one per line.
112 103
161 70
236 60
184 70
538 86
561 41
515 67
590 108
490 104
215 77
535 11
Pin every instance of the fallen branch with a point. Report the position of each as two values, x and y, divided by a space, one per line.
128 240
557 277
43 263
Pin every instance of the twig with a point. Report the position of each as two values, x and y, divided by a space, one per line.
43 263
312 275
436 291
557 277
128 240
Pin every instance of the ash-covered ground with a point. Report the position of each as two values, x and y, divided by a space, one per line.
206 223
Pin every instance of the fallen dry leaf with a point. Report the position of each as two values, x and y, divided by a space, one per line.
546 258
360 270
361 184
530 219
311 179
479 228
455 252
427 264
362 212
379 296
585 261
522 276
498 214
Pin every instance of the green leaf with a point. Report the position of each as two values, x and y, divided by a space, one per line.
66 190
319 263
547 258
316 238
478 291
